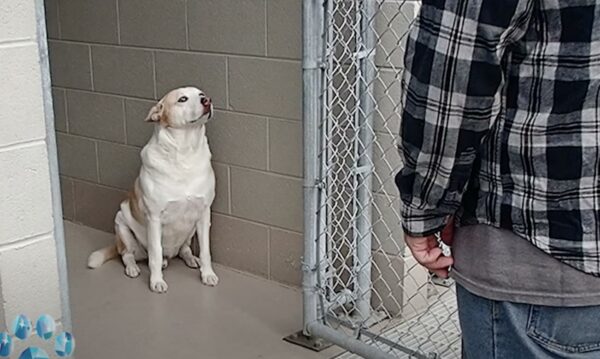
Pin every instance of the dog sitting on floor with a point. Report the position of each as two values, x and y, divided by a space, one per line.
171 198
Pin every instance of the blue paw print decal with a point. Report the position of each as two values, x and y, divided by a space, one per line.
34 353
6 345
21 327
45 328
65 344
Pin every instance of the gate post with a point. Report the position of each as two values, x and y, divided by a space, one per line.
312 79
367 72
312 91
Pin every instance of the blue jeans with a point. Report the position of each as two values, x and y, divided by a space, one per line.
505 330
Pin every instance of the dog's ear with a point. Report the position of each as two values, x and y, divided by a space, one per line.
156 113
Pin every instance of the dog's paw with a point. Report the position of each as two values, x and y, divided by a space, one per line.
158 286
165 263
192 262
132 271
210 278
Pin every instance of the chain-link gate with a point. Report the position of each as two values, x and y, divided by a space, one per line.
362 289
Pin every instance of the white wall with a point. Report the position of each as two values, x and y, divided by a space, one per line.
29 271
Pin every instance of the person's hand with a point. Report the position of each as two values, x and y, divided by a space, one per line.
428 253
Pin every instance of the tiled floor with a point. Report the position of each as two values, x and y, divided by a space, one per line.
117 317
434 333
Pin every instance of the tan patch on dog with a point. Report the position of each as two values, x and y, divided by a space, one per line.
164 120
134 203
120 245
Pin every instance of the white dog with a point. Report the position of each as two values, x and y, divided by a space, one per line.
172 195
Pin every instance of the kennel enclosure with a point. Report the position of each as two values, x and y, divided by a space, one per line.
362 290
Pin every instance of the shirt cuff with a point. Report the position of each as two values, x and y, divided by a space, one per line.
419 223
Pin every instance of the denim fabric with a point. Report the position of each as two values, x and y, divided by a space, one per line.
506 330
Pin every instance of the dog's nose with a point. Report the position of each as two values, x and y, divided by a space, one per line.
205 101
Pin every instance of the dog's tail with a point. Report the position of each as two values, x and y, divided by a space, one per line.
99 257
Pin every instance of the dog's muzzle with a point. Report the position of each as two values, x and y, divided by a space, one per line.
207 105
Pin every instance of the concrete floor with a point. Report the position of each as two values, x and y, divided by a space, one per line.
118 317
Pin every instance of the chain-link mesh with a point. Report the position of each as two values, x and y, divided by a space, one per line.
370 288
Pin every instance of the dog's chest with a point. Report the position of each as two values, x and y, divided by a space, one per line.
179 220
185 210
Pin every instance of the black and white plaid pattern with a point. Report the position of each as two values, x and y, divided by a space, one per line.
501 122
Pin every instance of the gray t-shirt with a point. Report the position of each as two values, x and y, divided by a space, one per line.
499 265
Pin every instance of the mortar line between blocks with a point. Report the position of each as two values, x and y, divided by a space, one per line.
264 172
269 253
126 141
257 222
22 145
65 103
91 67
25 242
58 19
98 184
187 27
74 204
96 147
227 96
26 41
184 51
102 140
130 97
154 75
230 201
268 144
118 22
266 29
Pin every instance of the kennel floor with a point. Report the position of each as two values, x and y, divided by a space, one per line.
116 317
434 332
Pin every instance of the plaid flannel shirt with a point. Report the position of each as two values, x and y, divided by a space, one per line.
500 123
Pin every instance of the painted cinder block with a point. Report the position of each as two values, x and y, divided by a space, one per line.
20 94
25 209
29 277
17 19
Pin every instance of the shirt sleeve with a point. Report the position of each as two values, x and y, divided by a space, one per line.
451 98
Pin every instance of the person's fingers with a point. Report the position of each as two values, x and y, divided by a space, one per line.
417 243
442 273
426 252
441 263
428 256
432 242
422 249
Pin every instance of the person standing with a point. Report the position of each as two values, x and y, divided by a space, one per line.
500 141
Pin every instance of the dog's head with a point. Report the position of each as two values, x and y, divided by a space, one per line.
182 107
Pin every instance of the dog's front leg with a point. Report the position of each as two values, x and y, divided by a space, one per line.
155 255
203 229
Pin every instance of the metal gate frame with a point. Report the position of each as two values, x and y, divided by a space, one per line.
314 64
317 297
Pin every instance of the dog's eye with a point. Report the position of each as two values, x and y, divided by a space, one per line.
182 99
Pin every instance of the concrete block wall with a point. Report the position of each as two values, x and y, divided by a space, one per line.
112 59
29 275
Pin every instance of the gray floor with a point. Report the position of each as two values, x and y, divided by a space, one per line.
118 317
